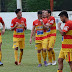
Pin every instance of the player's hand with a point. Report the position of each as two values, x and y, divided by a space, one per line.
3 31
17 24
23 24
30 40
50 49
41 21
59 24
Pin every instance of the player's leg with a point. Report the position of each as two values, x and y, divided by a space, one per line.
60 64
68 57
21 54
42 53
60 61
51 53
38 46
39 58
44 45
15 46
22 46
0 55
16 55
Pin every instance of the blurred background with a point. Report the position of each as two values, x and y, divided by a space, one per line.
30 8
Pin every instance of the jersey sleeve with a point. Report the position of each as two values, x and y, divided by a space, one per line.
66 28
52 21
33 23
12 23
25 22
2 21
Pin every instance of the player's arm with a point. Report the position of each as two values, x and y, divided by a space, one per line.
3 24
34 36
24 24
13 25
60 30
32 32
44 26
13 28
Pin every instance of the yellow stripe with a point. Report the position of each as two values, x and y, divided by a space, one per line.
15 33
69 32
67 41
54 24
53 31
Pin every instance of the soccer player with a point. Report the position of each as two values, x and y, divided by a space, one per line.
66 50
38 38
18 25
51 34
1 33
43 14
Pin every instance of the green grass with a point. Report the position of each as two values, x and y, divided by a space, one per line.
29 61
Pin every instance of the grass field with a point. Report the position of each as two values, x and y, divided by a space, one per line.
29 61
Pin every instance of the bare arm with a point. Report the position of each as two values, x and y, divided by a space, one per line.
32 32
12 28
3 31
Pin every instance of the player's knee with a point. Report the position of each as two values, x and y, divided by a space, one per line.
16 48
60 60
21 50
39 51
44 50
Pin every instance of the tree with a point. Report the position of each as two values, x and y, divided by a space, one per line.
11 5
35 5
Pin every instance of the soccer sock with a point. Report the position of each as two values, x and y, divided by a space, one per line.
39 57
50 56
20 58
44 54
16 55
59 70
0 56
53 55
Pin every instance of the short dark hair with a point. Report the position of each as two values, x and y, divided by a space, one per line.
63 13
17 10
39 12
49 11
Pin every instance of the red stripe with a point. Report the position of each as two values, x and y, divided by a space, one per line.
60 71
69 56
68 37
45 37
18 36
54 27
0 33
54 34
38 38
67 46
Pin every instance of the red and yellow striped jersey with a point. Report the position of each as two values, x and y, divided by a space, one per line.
1 21
19 31
39 31
52 30
67 38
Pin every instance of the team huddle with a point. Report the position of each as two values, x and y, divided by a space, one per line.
44 34
45 37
